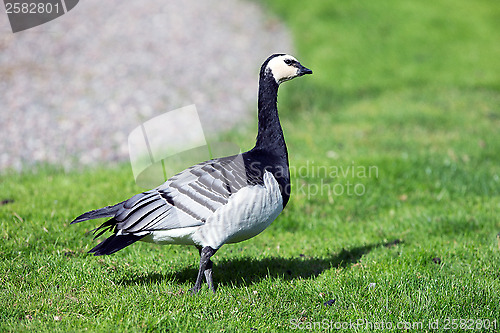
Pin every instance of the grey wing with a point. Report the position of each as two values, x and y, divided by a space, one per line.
187 199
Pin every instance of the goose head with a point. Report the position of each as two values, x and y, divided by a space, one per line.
283 67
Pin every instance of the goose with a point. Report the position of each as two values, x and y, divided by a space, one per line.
223 200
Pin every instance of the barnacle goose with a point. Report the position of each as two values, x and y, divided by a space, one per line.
224 200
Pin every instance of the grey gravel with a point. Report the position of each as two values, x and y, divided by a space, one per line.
74 88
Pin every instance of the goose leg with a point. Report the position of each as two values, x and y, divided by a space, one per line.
208 276
205 269
208 273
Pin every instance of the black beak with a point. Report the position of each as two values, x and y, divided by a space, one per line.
303 70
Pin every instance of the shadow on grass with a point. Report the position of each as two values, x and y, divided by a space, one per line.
245 271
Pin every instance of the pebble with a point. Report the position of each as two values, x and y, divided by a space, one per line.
329 302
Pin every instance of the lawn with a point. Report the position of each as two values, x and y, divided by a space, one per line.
395 154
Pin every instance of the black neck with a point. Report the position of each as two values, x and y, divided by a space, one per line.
270 148
270 135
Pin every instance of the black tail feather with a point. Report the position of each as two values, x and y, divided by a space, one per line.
109 225
109 211
114 243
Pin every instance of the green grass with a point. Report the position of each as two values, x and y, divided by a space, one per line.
406 94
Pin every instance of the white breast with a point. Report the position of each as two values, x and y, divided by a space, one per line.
247 213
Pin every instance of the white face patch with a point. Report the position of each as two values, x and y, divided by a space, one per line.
280 70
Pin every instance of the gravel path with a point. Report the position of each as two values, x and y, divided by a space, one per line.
73 89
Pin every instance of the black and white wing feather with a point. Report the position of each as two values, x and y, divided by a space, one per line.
187 199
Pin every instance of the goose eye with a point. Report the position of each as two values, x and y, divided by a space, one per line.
288 61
